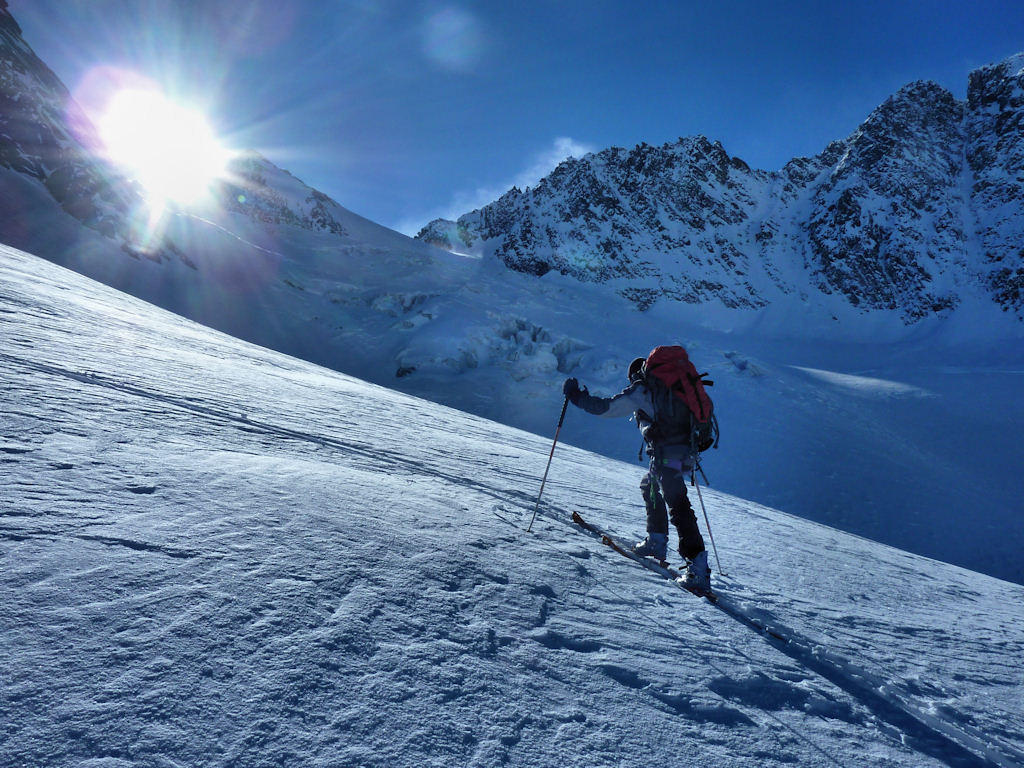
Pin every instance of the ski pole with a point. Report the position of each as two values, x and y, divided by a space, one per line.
701 470
561 420
707 522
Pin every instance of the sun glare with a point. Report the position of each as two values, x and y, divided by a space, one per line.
169 149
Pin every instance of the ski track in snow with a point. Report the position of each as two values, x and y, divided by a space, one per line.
215 555
930 734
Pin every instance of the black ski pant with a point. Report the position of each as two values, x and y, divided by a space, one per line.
663 486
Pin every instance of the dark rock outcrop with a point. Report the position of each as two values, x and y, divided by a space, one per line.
921 206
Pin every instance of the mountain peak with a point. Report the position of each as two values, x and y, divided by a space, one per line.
995 157
879 219
998 86
1011 66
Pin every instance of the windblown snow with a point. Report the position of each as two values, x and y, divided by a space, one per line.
860 310
214 554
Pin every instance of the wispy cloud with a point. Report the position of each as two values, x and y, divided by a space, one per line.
562 149
464 201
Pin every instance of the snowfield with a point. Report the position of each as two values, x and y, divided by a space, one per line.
216 555
844 418
859 309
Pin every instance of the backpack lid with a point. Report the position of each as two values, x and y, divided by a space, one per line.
667 355
671 365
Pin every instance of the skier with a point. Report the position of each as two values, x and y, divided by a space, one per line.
669 438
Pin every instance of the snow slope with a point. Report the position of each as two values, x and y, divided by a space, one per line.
842 416
892 457
213 554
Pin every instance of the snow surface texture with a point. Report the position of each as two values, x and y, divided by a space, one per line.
923 452
899 460
213 554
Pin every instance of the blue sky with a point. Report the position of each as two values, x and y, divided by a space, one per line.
407 110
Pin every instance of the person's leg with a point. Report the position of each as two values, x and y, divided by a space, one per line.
656 542
657 514
673 487
691 544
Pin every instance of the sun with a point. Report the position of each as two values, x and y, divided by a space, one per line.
168 148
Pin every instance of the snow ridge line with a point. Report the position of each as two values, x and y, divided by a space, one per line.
229 233
956 745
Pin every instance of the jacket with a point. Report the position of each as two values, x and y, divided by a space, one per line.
635 400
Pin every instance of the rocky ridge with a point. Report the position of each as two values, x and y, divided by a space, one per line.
921 208
994 129
45 136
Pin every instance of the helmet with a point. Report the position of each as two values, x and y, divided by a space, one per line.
636 368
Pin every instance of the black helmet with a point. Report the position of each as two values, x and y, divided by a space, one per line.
636 368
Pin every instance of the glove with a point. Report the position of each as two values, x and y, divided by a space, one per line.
571 389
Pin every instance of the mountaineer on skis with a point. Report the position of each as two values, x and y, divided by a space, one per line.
666 397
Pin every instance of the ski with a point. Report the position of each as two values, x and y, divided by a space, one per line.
660 567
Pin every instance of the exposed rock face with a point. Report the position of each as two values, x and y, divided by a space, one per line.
995 155
44 135
888 218
642 215
921 205
259 189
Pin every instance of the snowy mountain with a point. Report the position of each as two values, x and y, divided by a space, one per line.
51 153
844 416
995 153
47 139
918 212
219 555
258 248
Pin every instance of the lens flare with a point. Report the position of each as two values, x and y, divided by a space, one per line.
168 148
453 39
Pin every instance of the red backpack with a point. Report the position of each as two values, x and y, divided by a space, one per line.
683 412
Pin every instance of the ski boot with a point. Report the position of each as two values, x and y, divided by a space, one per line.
698 574
655 545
